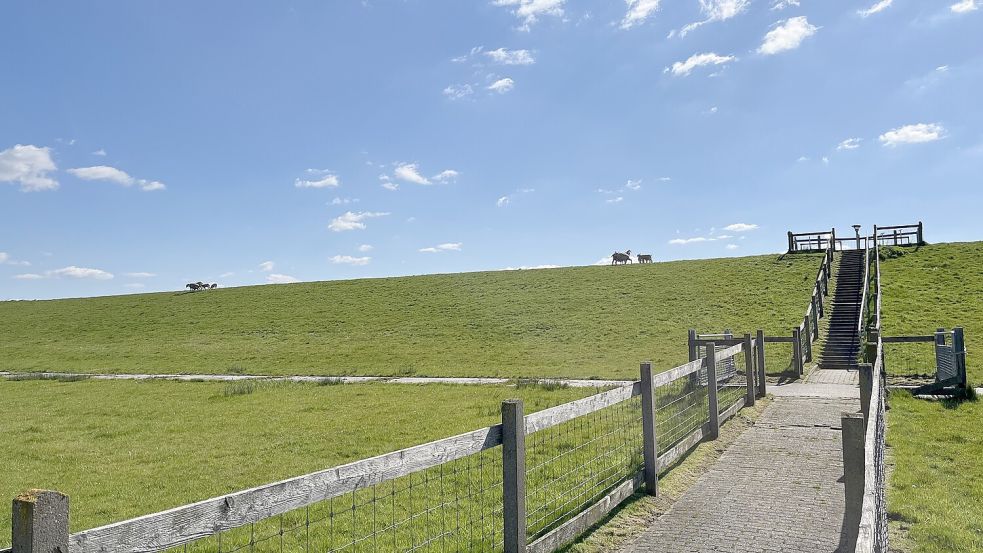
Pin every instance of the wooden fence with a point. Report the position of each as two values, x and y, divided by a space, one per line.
537 480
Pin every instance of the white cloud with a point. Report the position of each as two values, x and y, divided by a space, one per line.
349 260
458 91
365 248
638 12
446 247
683 68
849 144
511 57
665 179
80 272
4 256
825 160
28 276
731 246
503 201
353 221
740 227
100 152
28 166
266 266
135 285
387 183
787 35
802 158
344 201
964 6
633 184
114 175
140 275
716 10
6 260
684 241
782 4
615 200
913 134
328 180
281 279
876 8
529 11
447 175
502 85
410 172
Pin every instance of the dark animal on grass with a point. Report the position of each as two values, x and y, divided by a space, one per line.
214 286
192 286
622 258
644 258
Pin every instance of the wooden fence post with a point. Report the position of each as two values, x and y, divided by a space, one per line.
650 442
853 474
832 233
866 374
959 351
807 343
921 237
40 522
714 410
514 476
759 342
817 309
749 369
796 352
691 341
791 246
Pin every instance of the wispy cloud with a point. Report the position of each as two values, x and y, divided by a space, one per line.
530 11
140 275
964 6
350 260
28 276
318 178
511 57
782 4
614 200
505 201
638 12
29 167
365 248
501 86
266 266
787 35
913 134
352 220
116 176
684 68
447 175
849 144
410 172
80 273
694 240
446 247
100 152
731 246
458 91
741 227
276 278
344 201
876 8
716 10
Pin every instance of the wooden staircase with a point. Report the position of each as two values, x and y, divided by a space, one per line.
841 346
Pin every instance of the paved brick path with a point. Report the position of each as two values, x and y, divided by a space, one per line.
776 489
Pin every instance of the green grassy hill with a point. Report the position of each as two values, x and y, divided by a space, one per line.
572 322
923 289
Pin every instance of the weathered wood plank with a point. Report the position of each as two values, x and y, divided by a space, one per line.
718 341
731 351
732 410
906 339
568 411
572 528
666 377
188 523
689 442
779 339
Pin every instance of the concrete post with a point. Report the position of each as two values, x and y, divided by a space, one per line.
759 342
866 387
712 391
650 442
853 475
749 369
514 476
40 522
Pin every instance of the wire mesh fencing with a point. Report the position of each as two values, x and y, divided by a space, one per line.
681 408
732 377
572 465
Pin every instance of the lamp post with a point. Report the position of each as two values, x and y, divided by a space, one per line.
856 228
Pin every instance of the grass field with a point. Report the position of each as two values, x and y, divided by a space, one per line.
570 322
124 448
935 497
923 289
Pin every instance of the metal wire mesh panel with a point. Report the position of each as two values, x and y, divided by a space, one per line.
681 407
731 387
572 465
915 360
456 506
881 538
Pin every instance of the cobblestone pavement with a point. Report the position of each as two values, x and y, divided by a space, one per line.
776 489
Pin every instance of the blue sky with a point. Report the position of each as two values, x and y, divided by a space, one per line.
148 144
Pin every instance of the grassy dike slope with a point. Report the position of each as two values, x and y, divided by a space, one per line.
572 322
940 285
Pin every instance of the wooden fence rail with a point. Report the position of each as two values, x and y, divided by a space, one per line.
190 523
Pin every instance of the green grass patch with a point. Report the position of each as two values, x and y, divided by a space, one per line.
939 285
120 449
935 496
571 322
